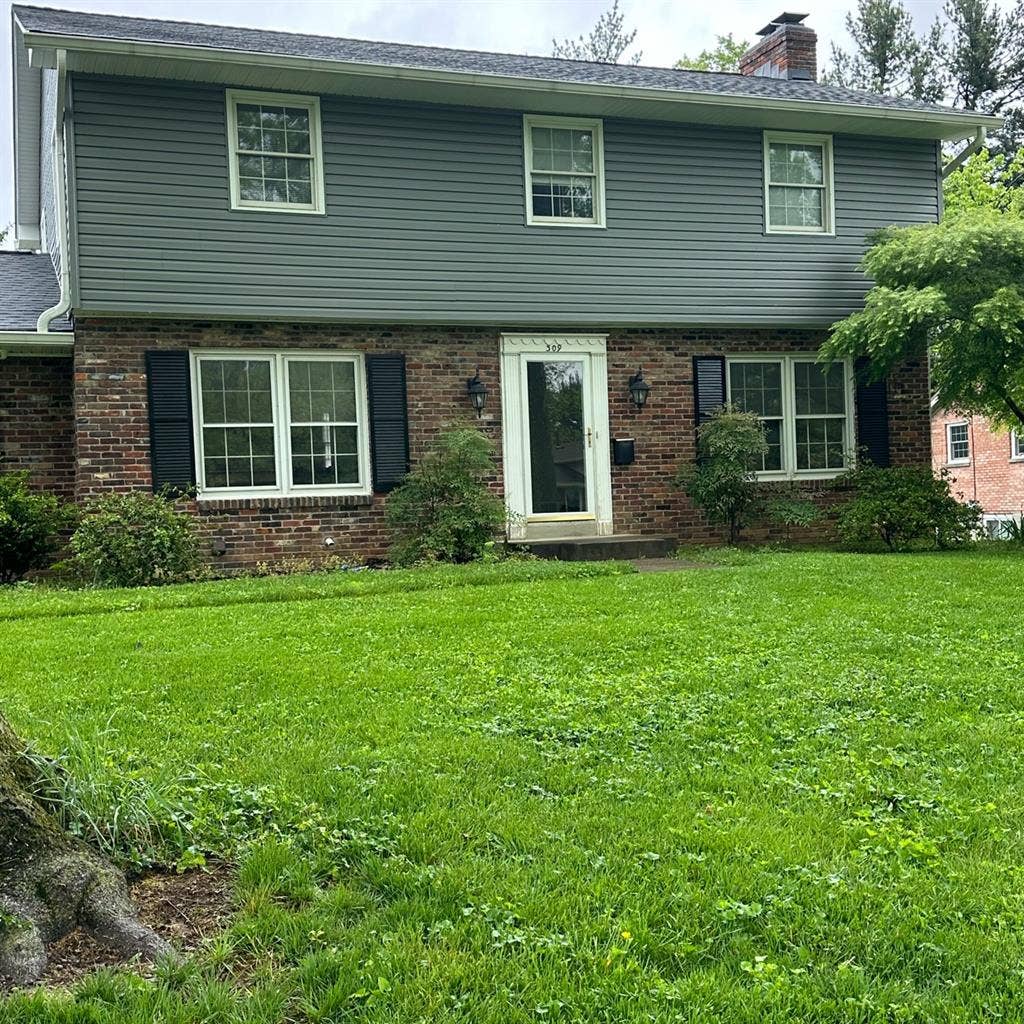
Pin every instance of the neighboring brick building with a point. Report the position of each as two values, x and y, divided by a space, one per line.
985 465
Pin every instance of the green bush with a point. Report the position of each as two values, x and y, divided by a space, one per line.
723 482
134 540
444 511
904 505
30 527
789 510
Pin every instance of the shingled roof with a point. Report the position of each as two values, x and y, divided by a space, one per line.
28 285
82 24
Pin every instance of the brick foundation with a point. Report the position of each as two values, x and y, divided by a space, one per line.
111 448
37 427
112 444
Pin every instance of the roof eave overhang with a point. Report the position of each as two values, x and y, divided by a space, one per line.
32 343
477 89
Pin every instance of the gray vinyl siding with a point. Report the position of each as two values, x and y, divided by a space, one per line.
47 201
425 221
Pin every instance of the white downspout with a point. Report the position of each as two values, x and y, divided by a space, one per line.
60 201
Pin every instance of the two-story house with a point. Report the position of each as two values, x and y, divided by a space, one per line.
271 267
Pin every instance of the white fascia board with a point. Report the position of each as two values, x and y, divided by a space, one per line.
52 343
952 125
27 83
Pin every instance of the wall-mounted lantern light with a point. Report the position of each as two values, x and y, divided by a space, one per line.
639 389
477 391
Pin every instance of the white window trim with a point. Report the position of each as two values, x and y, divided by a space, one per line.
232 97
789 416
279 360
596 126
828 207
950 461
1017 445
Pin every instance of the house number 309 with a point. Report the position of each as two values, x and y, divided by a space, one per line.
553 346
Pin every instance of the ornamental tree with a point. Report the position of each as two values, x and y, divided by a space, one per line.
958 289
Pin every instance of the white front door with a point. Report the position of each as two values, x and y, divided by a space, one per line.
554 398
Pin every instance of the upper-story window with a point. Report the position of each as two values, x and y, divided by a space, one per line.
1017 445
805 409
564 159
276 156
958 443
279 423
798 183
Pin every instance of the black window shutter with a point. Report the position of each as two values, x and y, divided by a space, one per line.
389 420
171 451
872 416
708 385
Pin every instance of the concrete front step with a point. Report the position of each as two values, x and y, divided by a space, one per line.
624 547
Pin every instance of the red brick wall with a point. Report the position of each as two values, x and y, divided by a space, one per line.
36 423
991 478
113 439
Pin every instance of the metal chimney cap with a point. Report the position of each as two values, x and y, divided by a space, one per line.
785 18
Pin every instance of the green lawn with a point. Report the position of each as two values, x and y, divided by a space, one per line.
790 789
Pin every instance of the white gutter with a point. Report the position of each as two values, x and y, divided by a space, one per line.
965 154
60 200
955 121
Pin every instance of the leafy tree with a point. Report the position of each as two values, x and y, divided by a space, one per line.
724 56
607 41
985 61
724 481
987 181
888 55
958 289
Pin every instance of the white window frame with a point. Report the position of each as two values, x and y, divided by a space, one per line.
1017 445
828 206
950 461
596 127
789 415
279 360
232 97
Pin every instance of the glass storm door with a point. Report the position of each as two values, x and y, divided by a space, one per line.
560 436
555 426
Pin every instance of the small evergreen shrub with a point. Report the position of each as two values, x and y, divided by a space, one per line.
134 540
904 506
30 527
723 482
444 511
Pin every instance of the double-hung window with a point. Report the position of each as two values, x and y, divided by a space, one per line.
1017 445
279 424
958 443
798 190
276 155
564 159
805 408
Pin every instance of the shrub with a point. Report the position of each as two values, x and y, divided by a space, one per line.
791 510
723 482
905 504
30 527
134 540
444 511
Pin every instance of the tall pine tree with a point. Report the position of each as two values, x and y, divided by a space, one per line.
606 42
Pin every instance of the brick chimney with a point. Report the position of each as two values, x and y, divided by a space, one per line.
787 49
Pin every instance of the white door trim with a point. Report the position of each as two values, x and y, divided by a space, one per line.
515 452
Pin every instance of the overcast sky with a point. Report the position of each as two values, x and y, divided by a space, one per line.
666 29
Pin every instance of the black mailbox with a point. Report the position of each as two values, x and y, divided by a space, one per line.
624 451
